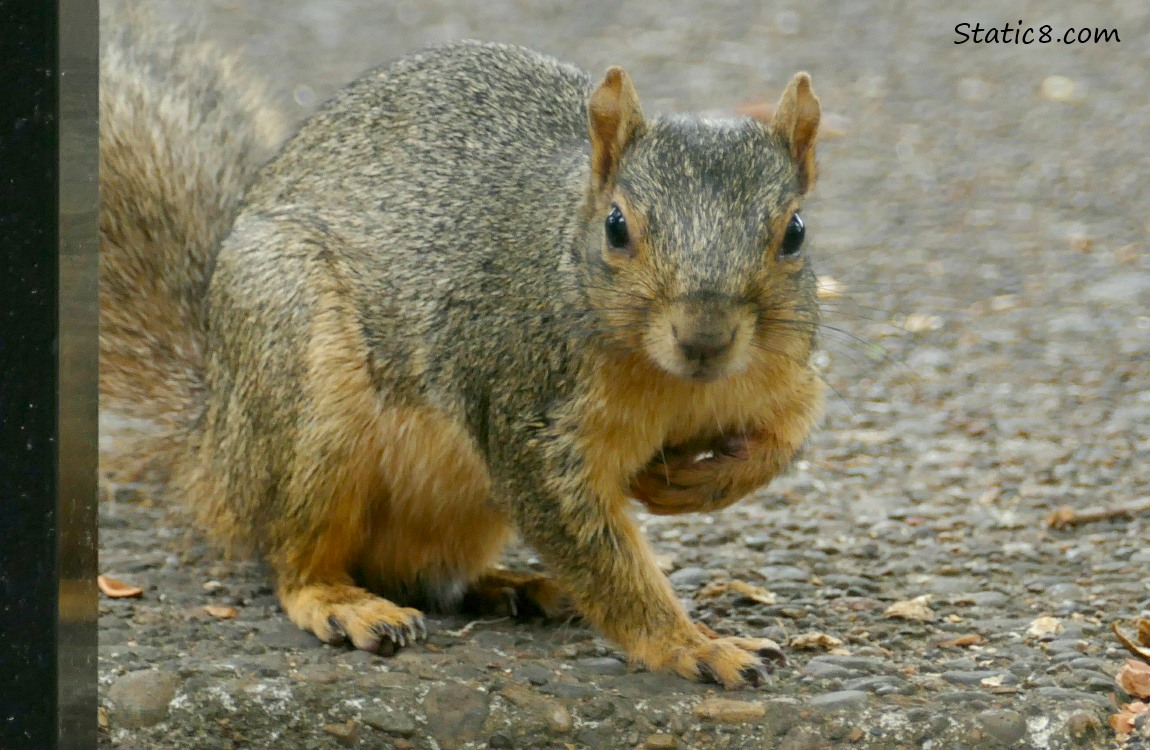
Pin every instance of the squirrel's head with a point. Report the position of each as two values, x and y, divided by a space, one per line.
694 243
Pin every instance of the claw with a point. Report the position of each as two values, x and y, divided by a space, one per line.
754 675
338 634
774 654
705 673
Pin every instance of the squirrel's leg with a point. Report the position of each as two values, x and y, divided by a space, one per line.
289 452
599 555
517 594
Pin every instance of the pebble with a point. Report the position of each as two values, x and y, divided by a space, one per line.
661 742
559 719
455 714
534 673
1066 695
727 711
840 699
689 577
389 721
601 665
858 663
773 573
345 733
1008 727
284 635
141 699
872 684
1082 724
568 690
969 678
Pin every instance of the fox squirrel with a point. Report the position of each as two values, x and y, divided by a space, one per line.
475 292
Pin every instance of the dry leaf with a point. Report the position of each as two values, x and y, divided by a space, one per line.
1045 625
742 588
1123 721
1143 626
117 589
221 612
1131 646
916 609
1134 678
813 641
970 639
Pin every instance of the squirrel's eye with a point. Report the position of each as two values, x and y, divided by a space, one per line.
793 238
616 227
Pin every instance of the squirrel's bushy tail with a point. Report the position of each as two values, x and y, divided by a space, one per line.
182 132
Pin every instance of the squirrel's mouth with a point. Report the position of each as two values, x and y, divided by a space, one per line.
701 350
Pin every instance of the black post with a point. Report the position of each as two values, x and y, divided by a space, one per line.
48 170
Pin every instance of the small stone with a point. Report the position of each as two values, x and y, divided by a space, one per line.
727 711
389 722
559 719
774 573
455 714
689 577
974 677
141 698
534 673
661 742
500 742
1005 725
825 671
839 700
602 665
284 635
345 733
1082 724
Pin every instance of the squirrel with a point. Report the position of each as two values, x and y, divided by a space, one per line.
477 293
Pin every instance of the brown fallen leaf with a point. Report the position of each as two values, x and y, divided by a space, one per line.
114 588
916 609
742 588
1067 516
970 639
814 641
1141 651
1134 678
1123 721
1143 626
220 611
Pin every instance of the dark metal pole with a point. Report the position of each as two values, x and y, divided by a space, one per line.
47 374
76 541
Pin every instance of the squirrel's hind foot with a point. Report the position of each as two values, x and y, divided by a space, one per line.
510 593
337 613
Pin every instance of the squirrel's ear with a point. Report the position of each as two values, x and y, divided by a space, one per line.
614 120
796 120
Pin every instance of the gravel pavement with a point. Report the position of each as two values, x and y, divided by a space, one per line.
982 220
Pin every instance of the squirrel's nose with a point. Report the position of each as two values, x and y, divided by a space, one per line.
703 346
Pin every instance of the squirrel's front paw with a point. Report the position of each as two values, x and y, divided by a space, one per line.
731 662
690 478
336 613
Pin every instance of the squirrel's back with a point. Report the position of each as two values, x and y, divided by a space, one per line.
182 132
455 113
